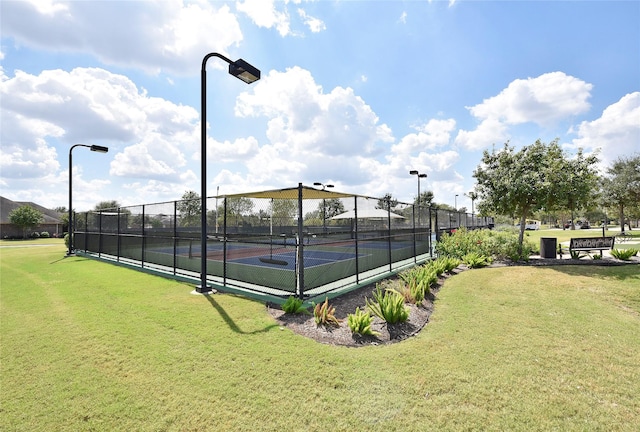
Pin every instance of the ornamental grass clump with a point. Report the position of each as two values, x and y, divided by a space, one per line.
360 322
388 305
324 314
294 305
624 254
416 283
475 260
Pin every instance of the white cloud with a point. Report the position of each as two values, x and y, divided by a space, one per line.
263 13
305 121
544 100
89 105
315 25
152 36
616 133
436 133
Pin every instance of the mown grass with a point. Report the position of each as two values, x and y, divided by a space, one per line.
90 346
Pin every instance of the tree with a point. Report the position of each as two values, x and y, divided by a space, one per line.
331 207
189 209
473 196
107 205
425 199
25 217
387 202
518 184
577 185
621 187
283 211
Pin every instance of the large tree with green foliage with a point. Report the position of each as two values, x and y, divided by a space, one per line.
621 186
519 183
189 209
25 217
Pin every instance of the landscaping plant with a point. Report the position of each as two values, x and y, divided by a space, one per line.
475 260
294 305
624 254
324 314
388 305
360 322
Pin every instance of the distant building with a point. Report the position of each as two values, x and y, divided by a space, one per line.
51 220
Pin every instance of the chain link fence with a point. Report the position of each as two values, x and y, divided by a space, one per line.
301 241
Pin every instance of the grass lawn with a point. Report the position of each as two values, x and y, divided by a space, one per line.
86 345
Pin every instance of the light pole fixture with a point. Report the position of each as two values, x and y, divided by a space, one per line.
455 202
324 206
247 73
93 148
419 176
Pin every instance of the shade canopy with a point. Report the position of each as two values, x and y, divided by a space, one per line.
292 193
368 214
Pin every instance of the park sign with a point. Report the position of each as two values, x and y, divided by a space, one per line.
591 243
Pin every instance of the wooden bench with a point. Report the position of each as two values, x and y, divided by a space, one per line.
591 243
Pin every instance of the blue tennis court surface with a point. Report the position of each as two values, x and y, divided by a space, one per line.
311 259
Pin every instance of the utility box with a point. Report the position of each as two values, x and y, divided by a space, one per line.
548 247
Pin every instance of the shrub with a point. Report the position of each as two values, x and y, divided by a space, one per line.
293 305
360 322
45 234
324 314
388 305
596 256
576 254
475 260
66 240
35 235
498 244
417 283
624 254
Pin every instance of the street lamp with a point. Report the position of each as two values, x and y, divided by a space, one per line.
455 202
247 73
324 208
416 173
93 148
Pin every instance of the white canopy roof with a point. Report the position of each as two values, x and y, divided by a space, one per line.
368 214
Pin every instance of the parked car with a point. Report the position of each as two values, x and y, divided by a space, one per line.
585 225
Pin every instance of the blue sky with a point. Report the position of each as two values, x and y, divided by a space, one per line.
353 93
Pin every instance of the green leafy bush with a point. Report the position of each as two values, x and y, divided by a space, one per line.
360 322
324 314
45 234
35 235
498 244
475 260
294 305
624 254
576 254
388 305
417 283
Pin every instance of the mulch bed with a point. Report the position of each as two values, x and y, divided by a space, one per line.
419 315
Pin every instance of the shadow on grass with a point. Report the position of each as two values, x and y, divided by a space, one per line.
232 325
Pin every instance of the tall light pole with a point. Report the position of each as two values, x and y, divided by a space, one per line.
247 73
416 173
324 207
93 148
455 202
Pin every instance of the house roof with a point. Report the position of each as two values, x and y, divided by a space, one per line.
7 206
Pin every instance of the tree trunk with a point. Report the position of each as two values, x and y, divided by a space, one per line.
523 220
621 209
